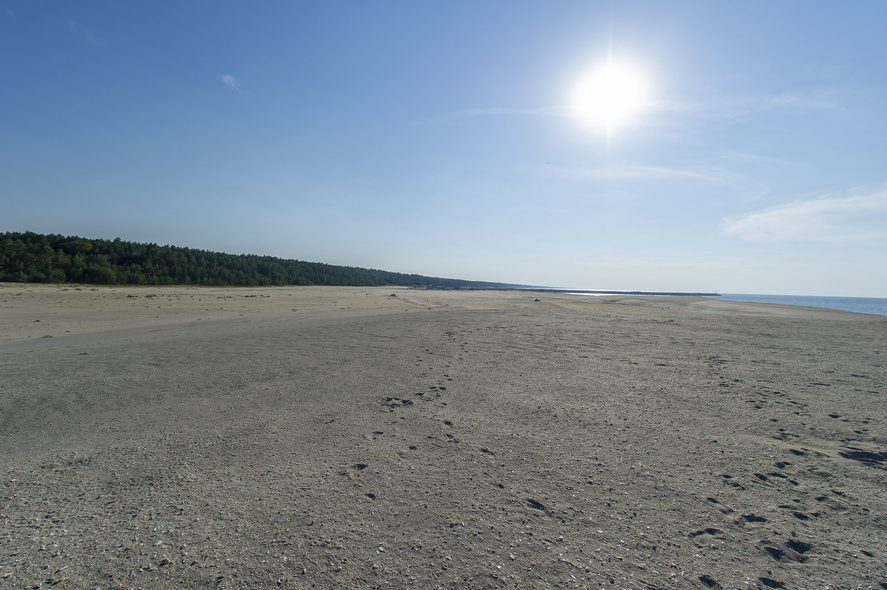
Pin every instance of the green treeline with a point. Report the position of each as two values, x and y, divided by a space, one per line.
38 258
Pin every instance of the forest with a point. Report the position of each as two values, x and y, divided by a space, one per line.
28 257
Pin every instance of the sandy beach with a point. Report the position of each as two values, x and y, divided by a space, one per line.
172 437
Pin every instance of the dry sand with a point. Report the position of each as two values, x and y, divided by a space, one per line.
345 437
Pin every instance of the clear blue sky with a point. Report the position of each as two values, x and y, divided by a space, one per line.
439 137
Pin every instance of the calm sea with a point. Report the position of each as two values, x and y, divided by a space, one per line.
876 305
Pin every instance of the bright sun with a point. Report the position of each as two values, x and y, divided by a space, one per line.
609 96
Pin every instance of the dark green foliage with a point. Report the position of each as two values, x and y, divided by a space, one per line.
37 258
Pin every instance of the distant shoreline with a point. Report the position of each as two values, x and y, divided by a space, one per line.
868 305
611 292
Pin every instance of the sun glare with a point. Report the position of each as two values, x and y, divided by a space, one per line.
609 96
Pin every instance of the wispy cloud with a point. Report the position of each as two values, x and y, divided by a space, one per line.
745 157
645 173
497 112
794 101
803 99
815 98
746 188
739 107
85 34
229 81
9 11
832 219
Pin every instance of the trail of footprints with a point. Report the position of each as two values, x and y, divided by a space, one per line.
431 393
414 400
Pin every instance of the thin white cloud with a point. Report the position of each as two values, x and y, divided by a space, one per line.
730 108
744 157
9 11
558 211
229 81
85 34
645 173
496 112
830 219
746 188
738 107
804 99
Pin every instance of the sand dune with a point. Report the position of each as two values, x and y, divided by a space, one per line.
364 438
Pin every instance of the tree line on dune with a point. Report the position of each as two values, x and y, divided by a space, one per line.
29 257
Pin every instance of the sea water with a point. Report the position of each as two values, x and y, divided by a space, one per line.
875 305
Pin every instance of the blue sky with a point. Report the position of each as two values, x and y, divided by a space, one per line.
439 137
